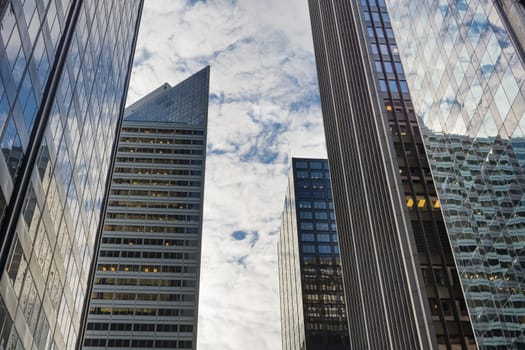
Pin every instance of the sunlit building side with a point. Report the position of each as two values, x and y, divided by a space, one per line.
146 286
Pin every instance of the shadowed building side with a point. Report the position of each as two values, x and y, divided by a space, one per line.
313 314
398 270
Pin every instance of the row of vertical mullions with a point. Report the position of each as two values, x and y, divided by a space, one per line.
98 238
427 197
15 206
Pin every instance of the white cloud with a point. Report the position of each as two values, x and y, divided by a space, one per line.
264 108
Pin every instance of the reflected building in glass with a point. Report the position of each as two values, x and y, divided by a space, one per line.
465 68
313 314
146 287
400 277
64 72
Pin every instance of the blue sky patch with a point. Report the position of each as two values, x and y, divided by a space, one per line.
239 235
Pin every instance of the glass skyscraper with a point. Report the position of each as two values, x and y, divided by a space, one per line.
64 72
400 278
465 68
146 286
313 314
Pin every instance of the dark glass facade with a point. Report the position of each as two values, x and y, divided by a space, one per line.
389 218
64 72
465 68
313 314
145 292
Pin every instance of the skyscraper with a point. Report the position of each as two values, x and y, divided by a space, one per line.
401 282
64 72
146 286
313 315
465 68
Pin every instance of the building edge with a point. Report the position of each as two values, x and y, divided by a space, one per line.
98 238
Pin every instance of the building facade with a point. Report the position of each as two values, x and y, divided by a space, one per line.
64 72
466 75
399 272
146 287
313 314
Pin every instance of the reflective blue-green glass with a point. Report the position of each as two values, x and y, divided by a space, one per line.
466 80
44 287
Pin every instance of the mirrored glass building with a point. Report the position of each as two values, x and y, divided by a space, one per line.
465 68
64 72
146 286
400 277
313 314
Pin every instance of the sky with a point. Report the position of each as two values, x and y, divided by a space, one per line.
264 109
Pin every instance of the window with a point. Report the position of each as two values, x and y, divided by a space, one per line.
308 248
305 214
310 260
317 174
394 49
302 174
325 249
388 67
378 66
399 68
319 205
318 194
307 237
382 86
186 328
323 237
301 165
307 226
321 215
17 266
304 204
302 194
323 226
404 86
392 85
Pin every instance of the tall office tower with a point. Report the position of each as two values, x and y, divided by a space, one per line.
399 274
465 68
313 315
145 293
64 72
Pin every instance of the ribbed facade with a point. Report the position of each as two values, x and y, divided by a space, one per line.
313 314
394 245
145 292
64 72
